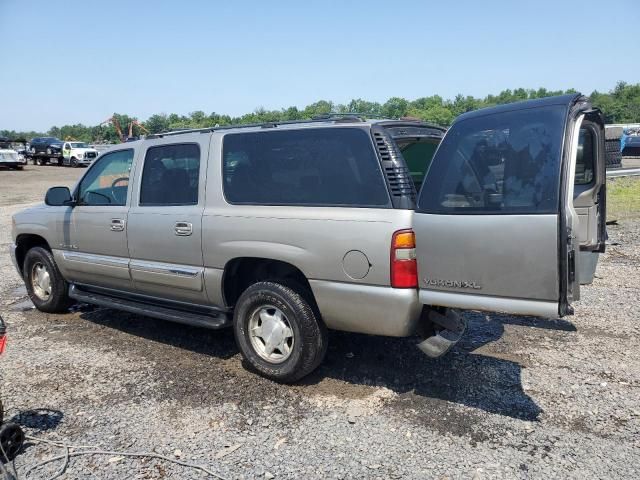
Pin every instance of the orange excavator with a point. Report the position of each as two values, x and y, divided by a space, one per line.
125 138
139 125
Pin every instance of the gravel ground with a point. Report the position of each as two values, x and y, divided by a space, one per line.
517 398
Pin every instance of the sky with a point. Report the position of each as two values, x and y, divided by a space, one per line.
67 62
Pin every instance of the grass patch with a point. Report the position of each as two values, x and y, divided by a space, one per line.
623 198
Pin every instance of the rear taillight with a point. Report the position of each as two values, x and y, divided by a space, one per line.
404 267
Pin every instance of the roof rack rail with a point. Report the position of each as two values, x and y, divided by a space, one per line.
356 115
318 119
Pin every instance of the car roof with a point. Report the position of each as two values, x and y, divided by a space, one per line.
566 100
329 121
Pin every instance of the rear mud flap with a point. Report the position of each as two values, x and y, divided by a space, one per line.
452 327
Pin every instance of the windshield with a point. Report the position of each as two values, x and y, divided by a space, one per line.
79 145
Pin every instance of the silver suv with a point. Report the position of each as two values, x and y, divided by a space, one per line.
285 230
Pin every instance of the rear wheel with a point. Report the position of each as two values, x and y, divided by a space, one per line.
278 332
45 285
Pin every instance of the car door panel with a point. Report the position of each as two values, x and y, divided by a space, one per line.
499 267
589 197
98 254
163 261
165 223
496 228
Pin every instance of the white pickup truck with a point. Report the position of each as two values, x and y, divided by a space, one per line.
75 154
9 156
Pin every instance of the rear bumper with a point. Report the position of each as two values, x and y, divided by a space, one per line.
13 164
375 310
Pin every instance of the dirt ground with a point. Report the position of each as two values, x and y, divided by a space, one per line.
517 398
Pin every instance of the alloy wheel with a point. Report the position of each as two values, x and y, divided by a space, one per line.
41 281
271 334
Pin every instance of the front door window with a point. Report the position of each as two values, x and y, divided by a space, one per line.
107 183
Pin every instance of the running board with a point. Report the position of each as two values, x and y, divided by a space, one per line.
215 320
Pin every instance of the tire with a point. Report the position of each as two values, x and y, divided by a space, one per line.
308 341
73 162
612 146
613 159
50 294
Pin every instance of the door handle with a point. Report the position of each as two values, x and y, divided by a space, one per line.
117 225
183 229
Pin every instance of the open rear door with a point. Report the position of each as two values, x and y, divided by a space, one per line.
589 193
495 224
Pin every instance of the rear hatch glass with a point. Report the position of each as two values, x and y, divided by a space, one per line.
498 163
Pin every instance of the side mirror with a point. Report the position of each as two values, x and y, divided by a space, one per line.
58 196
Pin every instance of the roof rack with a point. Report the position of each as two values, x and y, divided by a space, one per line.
335 117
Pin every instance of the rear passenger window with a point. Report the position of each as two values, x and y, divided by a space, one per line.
499 163
170 175
319 166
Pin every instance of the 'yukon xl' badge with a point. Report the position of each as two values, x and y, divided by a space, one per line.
437 282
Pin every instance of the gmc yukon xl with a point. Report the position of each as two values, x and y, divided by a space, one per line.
284 230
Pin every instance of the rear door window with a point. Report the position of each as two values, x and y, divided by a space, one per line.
506 162
314 166
170 175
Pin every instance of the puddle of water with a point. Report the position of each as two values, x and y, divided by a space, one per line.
19 292
82 307
23 306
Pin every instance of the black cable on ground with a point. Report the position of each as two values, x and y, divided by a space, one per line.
68 454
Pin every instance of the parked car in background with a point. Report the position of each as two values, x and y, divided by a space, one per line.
9 156
283 230
45 150
77 154
630 142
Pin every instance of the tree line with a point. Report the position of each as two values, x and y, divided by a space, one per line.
620 105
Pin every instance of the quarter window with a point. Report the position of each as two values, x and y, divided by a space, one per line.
107 182
170 175
313 166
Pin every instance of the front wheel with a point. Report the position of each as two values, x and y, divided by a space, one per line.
278 332
46 287
73 162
